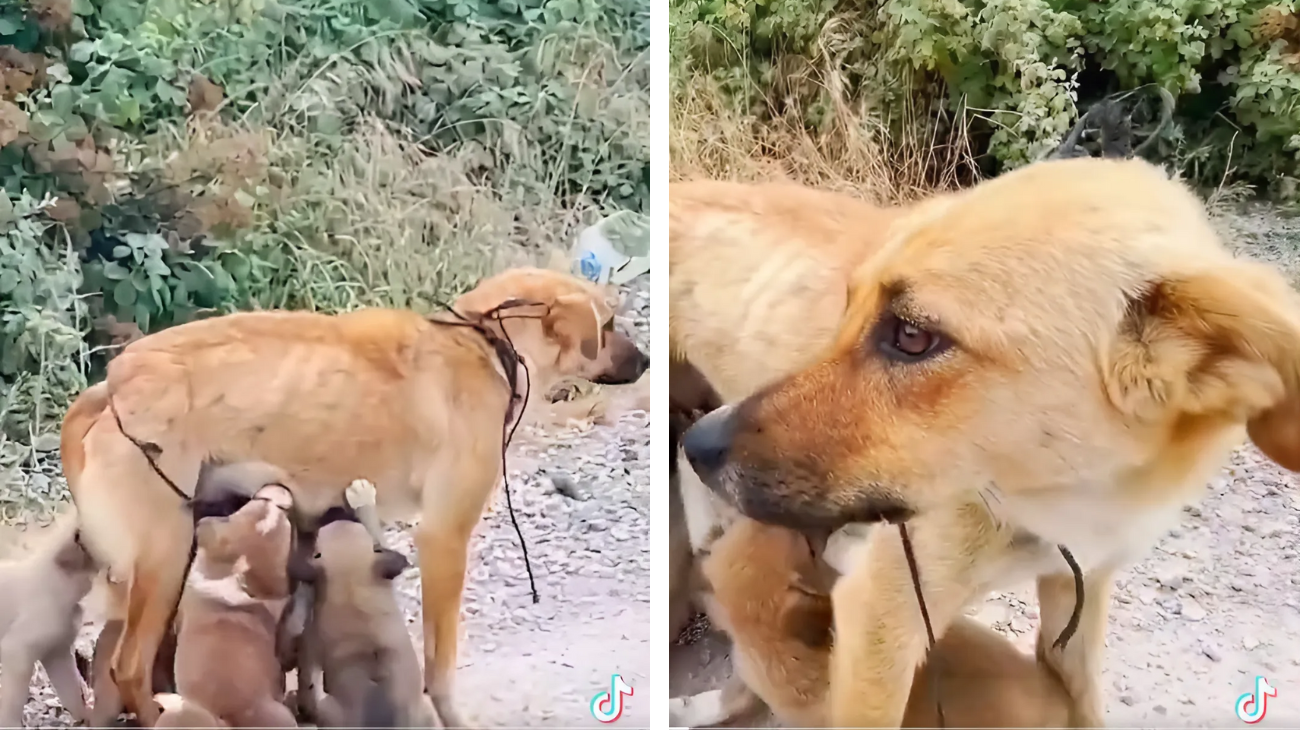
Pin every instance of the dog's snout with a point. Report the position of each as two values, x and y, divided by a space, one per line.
707 444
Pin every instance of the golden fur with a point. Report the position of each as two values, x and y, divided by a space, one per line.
1090 353
423 404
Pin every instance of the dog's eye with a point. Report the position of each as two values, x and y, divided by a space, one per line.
904 341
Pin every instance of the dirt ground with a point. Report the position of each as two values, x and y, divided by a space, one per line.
1214 604
580 488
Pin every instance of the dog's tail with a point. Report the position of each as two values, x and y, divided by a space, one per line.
179 712
82 414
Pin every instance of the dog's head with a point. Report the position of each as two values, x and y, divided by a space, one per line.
244 557
1071 328
568 333
347 555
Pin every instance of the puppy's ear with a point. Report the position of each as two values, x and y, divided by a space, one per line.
1222 344
389 563
574 319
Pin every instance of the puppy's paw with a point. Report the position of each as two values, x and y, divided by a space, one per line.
699 710
360 493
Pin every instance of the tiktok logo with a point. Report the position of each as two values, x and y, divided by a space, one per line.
1251 706
608 706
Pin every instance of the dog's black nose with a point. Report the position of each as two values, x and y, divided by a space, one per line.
707 444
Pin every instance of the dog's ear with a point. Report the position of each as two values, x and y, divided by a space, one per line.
1222 344
575 321
389 563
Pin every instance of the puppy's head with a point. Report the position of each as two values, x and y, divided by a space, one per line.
1071 328
347 555
248 551
569 333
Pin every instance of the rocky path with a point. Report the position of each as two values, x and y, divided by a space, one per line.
1215 604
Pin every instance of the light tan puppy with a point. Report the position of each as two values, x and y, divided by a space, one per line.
1063 355
425 402
40 615
770 593
226 662
358 634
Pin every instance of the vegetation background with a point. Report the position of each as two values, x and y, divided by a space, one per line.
895 97
163 160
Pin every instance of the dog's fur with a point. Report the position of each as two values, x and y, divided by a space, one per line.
1096 355
770 593
423 403
358 634
40 615
226 661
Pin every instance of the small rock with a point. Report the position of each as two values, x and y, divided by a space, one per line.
1160 710
1249 643
1192 611
1211 652
1128 700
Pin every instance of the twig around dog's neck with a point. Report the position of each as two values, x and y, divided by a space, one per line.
925 616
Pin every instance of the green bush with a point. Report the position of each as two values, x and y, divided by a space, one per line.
1020 71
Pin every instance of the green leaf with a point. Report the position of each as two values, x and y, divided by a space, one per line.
83 7
82 51
124 293
121 252
115 271
8 281
142 316
10 26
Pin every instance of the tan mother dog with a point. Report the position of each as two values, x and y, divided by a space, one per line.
1062 355
414 404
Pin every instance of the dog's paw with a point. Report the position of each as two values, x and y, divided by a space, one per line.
360 493
699 710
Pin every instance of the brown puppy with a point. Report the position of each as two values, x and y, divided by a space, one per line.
358 634
178 712
40 616
770 594
237 588
424 400
1063 355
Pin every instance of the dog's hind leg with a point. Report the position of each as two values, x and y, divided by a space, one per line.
454 500
1079 664
155 584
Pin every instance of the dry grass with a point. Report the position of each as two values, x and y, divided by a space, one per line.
854 152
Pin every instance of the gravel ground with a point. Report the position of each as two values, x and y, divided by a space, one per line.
1215 603
581 494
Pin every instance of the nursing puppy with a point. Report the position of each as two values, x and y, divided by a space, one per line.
358 634
238 587
40 615
1064 355
769 591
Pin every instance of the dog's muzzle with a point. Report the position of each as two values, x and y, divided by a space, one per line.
707 444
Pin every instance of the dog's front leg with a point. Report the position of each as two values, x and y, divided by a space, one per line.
19 664
1079 664
880 636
